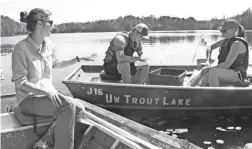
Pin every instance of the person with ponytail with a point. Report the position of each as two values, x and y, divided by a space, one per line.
233 57
232 60
33 59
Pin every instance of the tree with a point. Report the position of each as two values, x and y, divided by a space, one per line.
10 27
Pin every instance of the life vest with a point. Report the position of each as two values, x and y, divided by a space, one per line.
129 49
241 62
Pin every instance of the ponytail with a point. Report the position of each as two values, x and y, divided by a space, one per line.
240 32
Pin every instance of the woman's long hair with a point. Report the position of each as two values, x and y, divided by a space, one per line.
241 32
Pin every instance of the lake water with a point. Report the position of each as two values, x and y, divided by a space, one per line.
173 47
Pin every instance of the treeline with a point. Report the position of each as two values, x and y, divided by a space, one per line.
10 27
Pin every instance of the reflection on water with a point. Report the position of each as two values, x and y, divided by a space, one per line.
187 38
215 132
169 39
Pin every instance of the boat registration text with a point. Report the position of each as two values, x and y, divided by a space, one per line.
137 100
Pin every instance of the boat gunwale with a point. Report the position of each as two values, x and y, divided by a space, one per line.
176 108
229 88
67 80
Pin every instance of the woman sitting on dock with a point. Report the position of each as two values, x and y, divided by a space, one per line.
232 60
32 61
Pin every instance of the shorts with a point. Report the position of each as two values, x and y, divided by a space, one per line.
111 68
239 75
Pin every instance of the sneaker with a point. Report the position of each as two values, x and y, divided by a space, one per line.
40 145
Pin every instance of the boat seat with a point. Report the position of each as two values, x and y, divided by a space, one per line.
26 119
105 76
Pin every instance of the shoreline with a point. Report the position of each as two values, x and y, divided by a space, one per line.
6 49
152 31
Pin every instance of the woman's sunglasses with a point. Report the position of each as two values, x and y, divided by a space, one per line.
49 21
223 31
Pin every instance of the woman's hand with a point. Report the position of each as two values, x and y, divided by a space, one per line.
144 59
136 58
89 58
202 65
54 96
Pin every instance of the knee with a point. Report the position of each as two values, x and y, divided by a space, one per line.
79 106
72 103
123 67
146 67
213 72
76 105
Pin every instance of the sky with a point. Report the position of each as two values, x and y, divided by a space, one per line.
91 10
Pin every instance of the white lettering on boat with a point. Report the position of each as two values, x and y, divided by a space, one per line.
180 102
95 91
164 102
136 100
188 102
110 97
156 101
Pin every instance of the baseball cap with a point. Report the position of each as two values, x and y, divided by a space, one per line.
228 24
143 29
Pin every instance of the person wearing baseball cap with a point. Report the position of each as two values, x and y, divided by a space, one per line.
233 57
119 62
142 29
228 25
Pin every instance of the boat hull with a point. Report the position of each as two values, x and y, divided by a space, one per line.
155 97
13 136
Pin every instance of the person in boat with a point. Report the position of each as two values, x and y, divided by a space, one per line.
32 61
119 60
232 59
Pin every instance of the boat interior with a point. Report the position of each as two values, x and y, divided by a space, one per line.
92 132
176 75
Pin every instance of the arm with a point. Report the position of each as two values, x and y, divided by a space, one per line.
124 58
212 47
216 44
65 63
35 90
139 49
120 44
236 48
20 72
